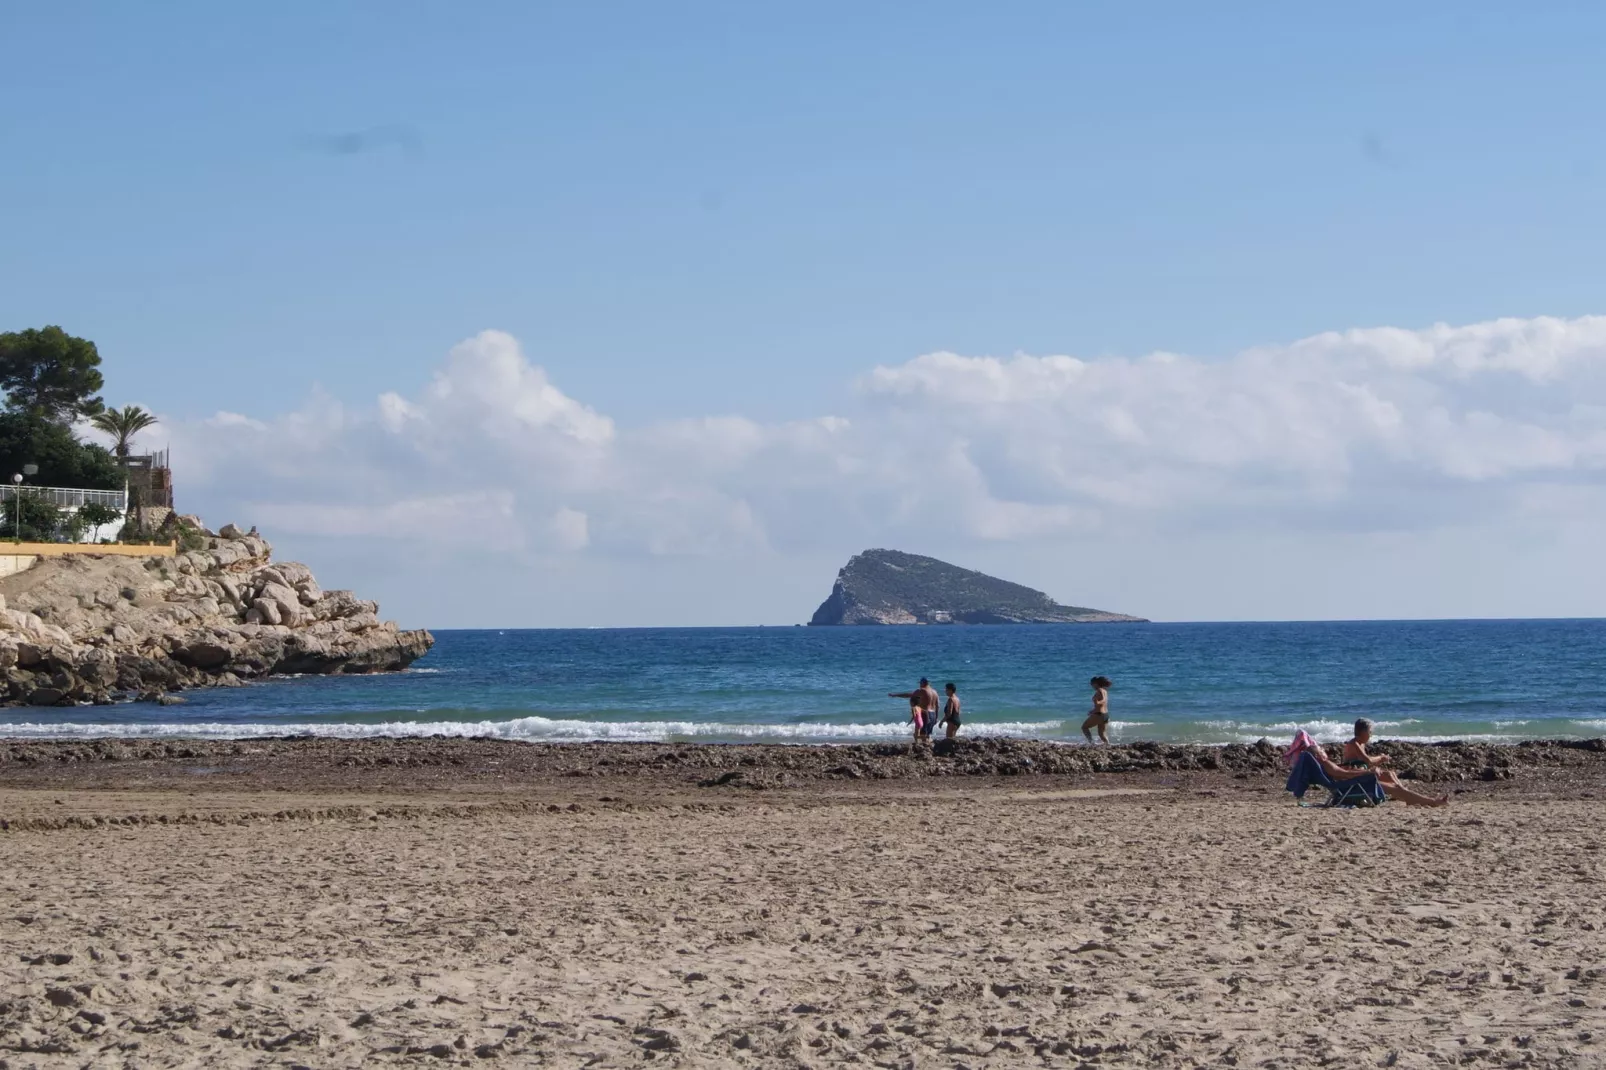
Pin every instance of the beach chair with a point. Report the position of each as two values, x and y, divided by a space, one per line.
1362 791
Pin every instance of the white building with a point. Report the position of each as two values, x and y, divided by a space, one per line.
69 500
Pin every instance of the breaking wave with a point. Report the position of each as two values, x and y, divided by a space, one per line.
534 729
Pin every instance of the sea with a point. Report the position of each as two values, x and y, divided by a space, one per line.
1476 680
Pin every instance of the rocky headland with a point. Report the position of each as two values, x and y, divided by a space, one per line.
99 628
892 587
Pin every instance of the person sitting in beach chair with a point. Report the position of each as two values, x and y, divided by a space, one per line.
1347 787
1356 756
1360 789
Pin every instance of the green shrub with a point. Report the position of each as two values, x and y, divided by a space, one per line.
190 538
97 516
40 521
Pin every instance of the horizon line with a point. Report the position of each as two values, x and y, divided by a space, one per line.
962 626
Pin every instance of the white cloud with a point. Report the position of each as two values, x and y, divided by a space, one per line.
1366 430
482 519
1345 417
488 381
224 418
570 529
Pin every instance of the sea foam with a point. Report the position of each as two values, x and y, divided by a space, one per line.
548 729
534 729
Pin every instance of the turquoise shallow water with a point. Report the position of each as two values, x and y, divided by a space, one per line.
1432 680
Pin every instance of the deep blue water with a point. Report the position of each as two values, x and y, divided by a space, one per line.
1486 680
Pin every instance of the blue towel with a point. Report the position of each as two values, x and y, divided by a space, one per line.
1307 771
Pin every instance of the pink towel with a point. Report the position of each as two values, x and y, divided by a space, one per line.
1302 743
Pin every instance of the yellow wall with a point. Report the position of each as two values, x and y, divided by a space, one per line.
62 549
18 557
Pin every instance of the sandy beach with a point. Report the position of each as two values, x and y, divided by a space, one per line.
474 904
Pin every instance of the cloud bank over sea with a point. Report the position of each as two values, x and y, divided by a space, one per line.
1368 449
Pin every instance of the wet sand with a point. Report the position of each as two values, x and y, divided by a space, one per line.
169 911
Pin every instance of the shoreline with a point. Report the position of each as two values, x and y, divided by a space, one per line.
226 723
435 763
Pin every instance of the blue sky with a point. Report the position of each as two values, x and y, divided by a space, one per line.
703 210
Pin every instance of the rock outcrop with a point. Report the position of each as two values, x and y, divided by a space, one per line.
892 587
95 628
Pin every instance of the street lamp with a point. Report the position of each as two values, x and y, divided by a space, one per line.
28 470
16 505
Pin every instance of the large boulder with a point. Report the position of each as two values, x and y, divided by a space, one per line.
285 600
202 654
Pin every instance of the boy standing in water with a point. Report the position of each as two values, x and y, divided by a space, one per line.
1099 717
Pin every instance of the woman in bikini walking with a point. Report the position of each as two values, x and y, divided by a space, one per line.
1099 716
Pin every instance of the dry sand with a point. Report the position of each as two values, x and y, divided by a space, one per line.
1094 920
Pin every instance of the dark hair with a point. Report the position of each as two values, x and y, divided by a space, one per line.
949 686
1102 681
924 682
1362 725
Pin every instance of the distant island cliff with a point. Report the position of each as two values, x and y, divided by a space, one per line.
892 587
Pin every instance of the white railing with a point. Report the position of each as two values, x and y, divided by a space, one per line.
67 497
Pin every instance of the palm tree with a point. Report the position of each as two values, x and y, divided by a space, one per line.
123 424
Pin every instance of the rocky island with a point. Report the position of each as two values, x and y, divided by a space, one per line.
892 587
89 627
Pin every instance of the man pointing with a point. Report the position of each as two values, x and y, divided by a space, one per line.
923 703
